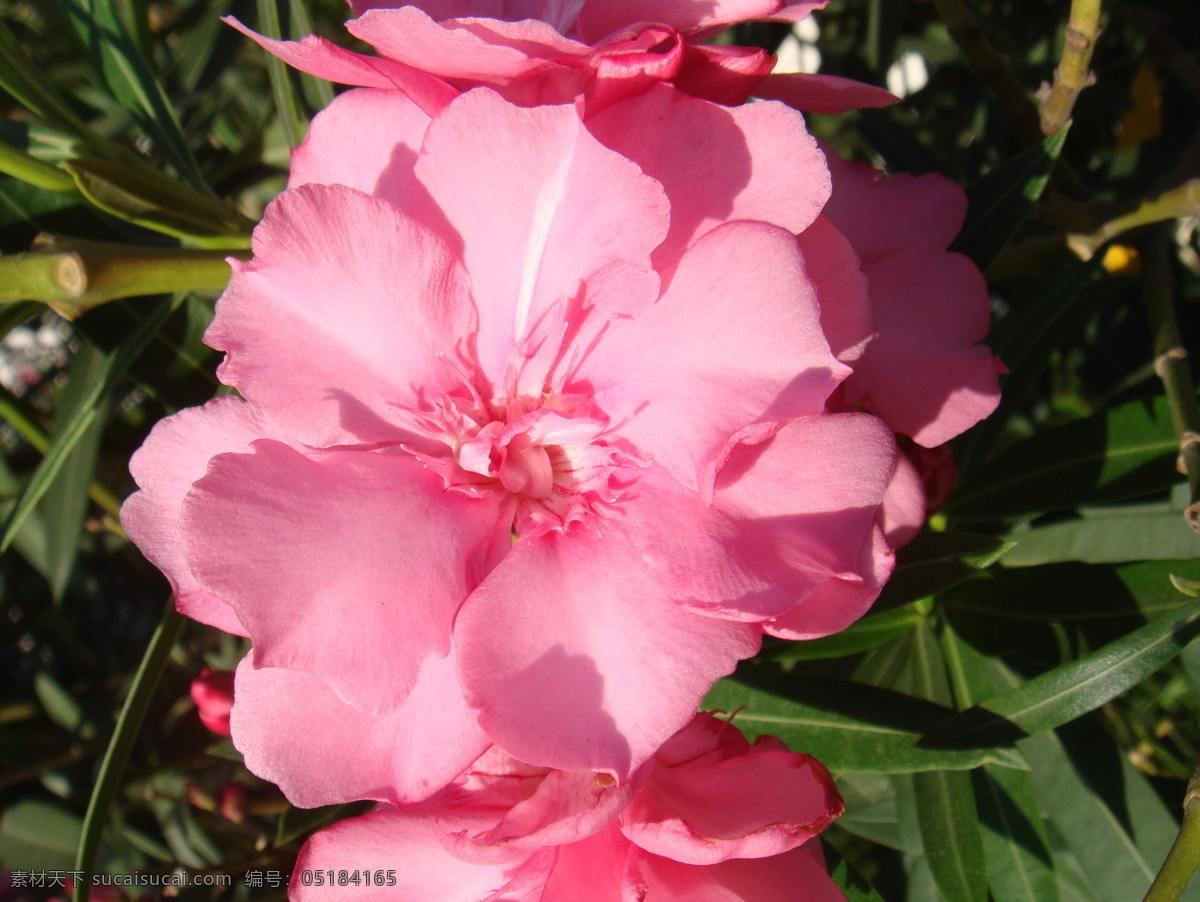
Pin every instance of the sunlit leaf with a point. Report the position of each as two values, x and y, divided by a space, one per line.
1067 692
1120 453
849 726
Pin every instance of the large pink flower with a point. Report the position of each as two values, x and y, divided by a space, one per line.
550 51
709 817
523 459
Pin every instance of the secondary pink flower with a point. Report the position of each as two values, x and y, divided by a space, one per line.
926 372
552 51
212 691
524 459
709 817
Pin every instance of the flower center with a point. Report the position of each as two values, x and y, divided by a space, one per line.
550 458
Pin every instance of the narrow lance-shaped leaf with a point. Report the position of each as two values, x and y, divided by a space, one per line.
936 561
1067 692
869 632
1001 200
131 80
1120 453
849 726
1045 317
75 429
1109 538
945 800
1015 846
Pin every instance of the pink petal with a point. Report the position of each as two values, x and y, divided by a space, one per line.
407 846
811 496
388 129
728 346
717 164
600 18
755 805
478 50
903 511
324 59
602 868
540 205
797 10
723 73
815 93
883 215
348 564
574 651
842 289
523 808
294 731
924 373
631 65
345 310
840 600
176 454
799 874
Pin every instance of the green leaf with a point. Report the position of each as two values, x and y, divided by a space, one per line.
999 203
296 822
1161 536
37 835
945 801
950 834
849 726
1103 809
853 885
869 632
935 561
71 432
1067 692
1189 587
26 210
288 107
870 808
130 79
162 205
1044 318
129 722
65 504
1120 453
1075 592
1020 866
60 705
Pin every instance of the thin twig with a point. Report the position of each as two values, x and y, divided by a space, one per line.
1171 365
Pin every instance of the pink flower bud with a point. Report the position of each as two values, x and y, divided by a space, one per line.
212 691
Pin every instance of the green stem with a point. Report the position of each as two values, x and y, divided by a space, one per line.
1073 73
129 723
21 165
72 275
1171 365
1174 204
1184 858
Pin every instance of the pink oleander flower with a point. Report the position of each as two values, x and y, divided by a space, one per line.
534 444
925 372
550 51
710 817
212 691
